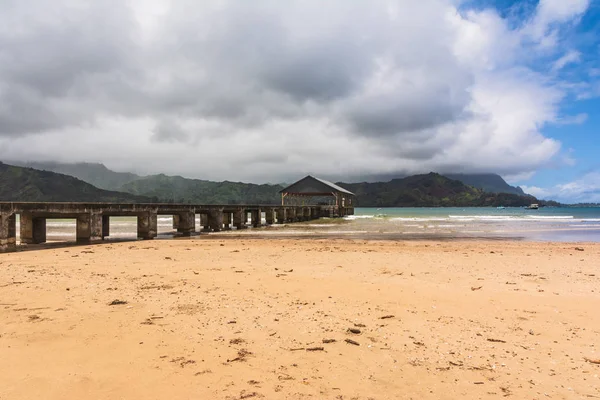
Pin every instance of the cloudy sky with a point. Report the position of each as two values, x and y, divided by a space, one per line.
269 90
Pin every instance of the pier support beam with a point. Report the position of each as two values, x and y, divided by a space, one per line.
186 223
89 227
227 221
204 223
240 217
256 218
8 232
147 225
33 229
105 226
281 215
215 219
269 216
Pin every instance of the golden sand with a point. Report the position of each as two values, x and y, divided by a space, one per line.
211 318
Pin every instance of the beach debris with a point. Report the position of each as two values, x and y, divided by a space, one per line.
387 316
350 341
117 302
592 360
476 288
496 340
291 270
243 394
232 322
298 349
182 361
237 341
148 321
206 371
241 355
478 383
34 318
168 258
419 343
356 331
579 248
329 340
360 325
317 348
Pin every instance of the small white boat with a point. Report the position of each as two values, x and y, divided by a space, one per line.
533 206
500 207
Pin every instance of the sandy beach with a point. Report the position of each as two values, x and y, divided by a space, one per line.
218 318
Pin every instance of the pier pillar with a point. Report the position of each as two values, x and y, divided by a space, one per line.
240 217
204 227
175 222
269 216
147 224
8 232
105 226
215 219
256 218
186 223
33 229
281 215
89 227
291 214
227 220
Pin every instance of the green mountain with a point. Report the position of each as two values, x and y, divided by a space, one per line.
430 190
492 183
182 190
93 173
28 184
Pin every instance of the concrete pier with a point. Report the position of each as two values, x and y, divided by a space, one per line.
240 218
256 218
93 219
33 229
269 216
215 219
281 215
89 227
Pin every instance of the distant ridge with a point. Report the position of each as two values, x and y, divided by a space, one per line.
28 184
93 173
431 190
491 183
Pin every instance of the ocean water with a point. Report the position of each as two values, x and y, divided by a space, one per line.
544 224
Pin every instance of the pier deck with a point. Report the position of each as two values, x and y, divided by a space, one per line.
93 219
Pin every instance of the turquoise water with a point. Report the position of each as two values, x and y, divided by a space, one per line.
546 224
584 214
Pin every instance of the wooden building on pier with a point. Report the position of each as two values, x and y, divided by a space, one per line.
335 201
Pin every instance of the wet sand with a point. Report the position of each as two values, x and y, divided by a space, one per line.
224 318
